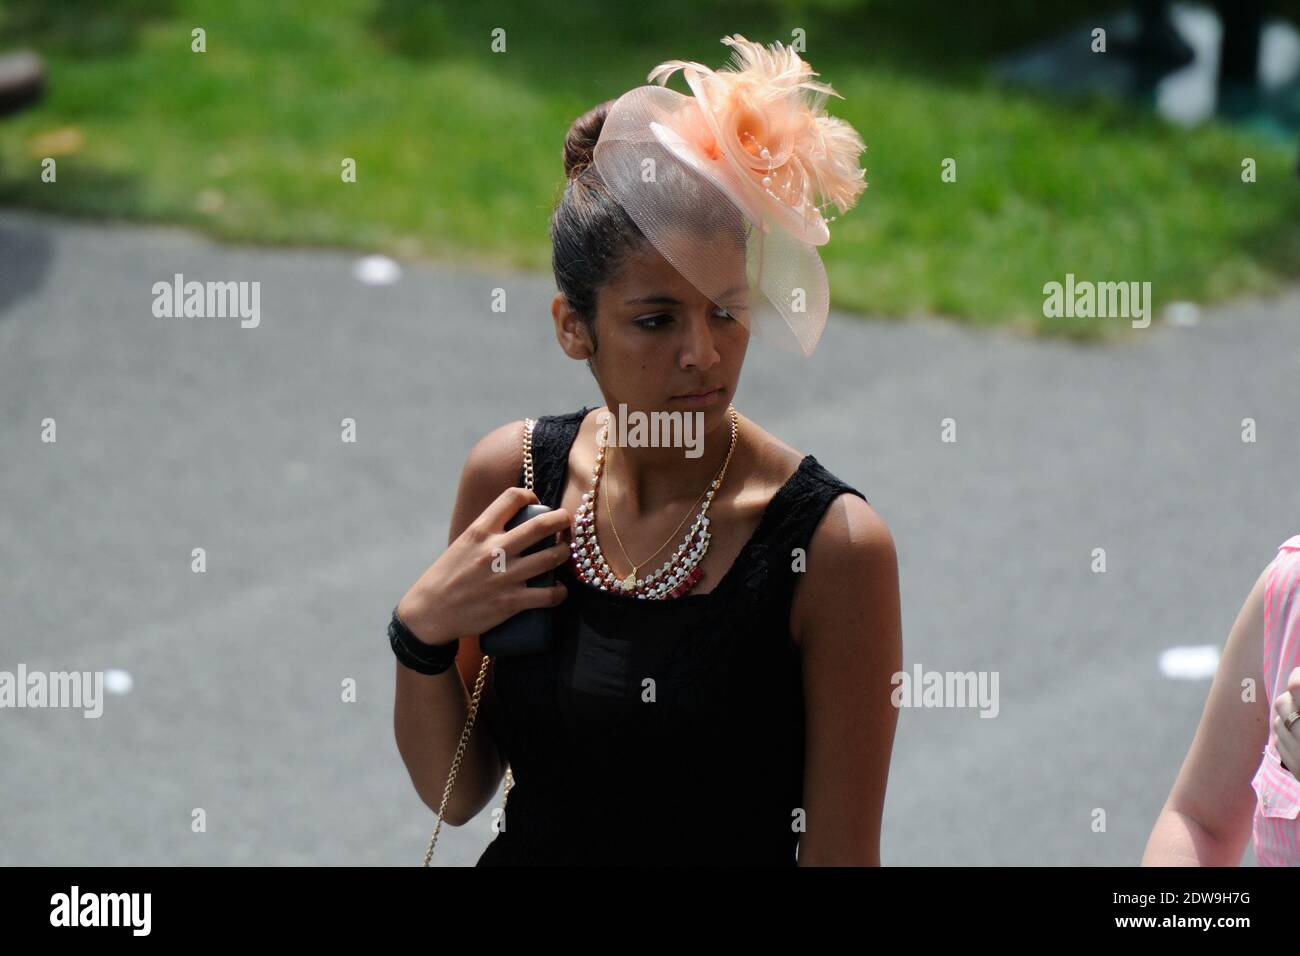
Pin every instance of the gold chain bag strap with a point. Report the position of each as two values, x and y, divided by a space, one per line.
480 682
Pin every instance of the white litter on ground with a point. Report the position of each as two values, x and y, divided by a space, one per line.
1190 663
1182 313
118 682
377 270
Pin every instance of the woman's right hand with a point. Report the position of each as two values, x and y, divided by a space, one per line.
462 593
1288 739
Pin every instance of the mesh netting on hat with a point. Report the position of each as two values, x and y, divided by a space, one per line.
702 215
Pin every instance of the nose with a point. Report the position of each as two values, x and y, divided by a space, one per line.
697 349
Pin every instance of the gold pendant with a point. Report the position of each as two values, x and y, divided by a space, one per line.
630 580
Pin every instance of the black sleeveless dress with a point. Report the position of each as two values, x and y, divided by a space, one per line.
661 732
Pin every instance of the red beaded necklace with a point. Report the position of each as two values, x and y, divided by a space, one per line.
677 575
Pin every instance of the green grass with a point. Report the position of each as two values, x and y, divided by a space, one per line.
458 148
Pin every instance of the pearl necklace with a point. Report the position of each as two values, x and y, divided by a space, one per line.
677 575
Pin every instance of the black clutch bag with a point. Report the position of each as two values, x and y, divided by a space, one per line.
530 631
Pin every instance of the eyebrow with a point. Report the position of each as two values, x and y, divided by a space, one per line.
662 299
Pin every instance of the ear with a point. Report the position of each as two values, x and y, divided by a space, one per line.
570 331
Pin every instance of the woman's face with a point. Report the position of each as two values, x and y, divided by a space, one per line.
659 337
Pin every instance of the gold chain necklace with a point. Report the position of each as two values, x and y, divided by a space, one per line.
630 580
679 574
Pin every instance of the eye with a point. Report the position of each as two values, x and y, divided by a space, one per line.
652 322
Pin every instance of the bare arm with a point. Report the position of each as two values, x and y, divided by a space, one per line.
850 639
429 711
1206 820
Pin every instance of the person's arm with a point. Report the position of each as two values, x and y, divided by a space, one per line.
1206 820
429 711
850 639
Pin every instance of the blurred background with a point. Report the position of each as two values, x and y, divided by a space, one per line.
243 141
1126 163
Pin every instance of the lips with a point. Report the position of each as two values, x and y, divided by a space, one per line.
700 393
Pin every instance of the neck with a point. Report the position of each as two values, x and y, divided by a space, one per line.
650 474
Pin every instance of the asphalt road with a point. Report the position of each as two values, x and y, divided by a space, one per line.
183 433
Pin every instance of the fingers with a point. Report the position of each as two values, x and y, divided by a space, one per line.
531 565
505 507
542 597
535 529
519 568
1283 707
1288 741
1289 751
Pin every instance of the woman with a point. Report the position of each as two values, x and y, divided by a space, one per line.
724 699
1237 783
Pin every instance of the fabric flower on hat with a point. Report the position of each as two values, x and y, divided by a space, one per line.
787 156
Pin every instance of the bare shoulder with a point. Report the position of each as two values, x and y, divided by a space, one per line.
770 460
492 466
774 462
1243 650
852 537
851 572
851 562
497 458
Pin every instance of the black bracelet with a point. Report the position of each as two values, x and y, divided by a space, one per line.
415 653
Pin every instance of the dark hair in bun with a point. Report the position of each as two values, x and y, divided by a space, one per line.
580 143
591 234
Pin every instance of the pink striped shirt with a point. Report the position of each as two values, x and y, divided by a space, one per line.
1276 829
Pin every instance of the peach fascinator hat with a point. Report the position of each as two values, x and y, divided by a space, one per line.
745 165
